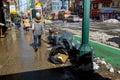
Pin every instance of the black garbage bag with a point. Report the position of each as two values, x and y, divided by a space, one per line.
62 45
66 39
58 55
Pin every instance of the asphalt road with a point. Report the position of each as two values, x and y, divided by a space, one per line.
112 29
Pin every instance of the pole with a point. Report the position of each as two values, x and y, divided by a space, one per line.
63 4
85 50
86 22
16 10
85 28
31 8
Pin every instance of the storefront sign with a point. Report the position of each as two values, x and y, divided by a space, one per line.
12 9
38 5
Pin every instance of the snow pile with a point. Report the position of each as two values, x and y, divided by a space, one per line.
97 62
111 70
114 21
118 72
95 66
97 36
103 38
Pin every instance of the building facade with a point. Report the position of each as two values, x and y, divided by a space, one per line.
47 7
116 4
58 4
4 16
97 4
102 8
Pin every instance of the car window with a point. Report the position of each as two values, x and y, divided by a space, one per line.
70 16
75 16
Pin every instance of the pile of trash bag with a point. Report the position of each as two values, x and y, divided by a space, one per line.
62 47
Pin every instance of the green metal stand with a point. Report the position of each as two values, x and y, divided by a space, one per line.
85 47
86 51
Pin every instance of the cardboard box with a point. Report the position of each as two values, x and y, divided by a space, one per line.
62 58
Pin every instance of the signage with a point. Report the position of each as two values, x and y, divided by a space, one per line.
12 9
38 5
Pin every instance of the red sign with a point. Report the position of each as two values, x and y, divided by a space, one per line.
95 11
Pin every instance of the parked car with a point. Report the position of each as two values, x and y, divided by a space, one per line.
74 18
119 17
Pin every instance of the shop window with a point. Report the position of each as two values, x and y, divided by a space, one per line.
58 7
118 5
106 5
113 4
95 6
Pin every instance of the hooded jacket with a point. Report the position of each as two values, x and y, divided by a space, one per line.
38 27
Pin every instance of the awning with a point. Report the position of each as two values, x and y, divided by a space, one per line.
108 10
101 1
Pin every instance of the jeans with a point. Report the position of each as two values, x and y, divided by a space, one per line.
37 41
16 27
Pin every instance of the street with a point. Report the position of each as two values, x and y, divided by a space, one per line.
18 61
112 29
59 40
106 33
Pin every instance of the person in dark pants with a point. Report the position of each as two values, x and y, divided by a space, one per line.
38 29
17 23
63 17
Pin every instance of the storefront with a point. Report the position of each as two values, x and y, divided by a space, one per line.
2 19
4 15
95 14
96 4
108 13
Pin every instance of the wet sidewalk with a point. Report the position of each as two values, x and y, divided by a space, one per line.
16 54
18 61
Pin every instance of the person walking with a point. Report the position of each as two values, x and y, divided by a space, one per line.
38 30
17 23
63 17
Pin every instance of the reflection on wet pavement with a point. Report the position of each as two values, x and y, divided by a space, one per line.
16 54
